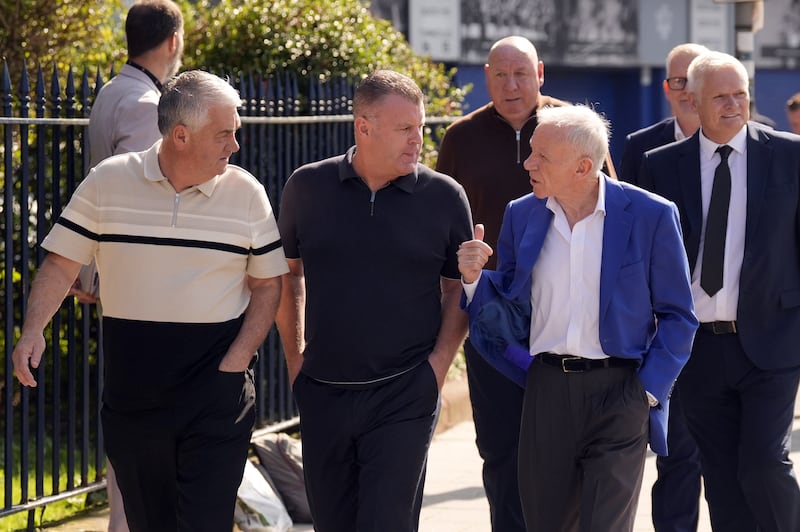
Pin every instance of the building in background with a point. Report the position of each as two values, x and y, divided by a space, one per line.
608 53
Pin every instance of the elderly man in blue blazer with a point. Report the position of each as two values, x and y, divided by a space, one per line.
737 186
596 270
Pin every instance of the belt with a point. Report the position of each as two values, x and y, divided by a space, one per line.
719 327
573 364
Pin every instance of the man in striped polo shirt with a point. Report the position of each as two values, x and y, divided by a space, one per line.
190 261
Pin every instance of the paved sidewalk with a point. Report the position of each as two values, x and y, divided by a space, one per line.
454 498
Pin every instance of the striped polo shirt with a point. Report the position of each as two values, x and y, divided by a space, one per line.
164 256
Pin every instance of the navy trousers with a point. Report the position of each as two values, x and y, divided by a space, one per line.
676 491
741 418
496 410
365 449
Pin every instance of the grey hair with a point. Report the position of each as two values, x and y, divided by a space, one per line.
691 49
586 130
710 62
187 98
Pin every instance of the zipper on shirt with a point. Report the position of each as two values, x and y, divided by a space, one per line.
518 136
175 205
372 203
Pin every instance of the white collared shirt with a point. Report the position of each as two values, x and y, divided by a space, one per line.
722 306
565 288
679 134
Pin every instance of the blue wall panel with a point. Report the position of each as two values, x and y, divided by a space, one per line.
772 89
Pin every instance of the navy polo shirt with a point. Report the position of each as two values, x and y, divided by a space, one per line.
372 263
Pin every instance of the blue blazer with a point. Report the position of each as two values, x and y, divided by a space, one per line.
646 308
768 315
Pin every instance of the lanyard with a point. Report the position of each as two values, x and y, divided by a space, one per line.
148 73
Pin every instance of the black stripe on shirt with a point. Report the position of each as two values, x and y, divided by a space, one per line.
77 228
176 242
156 241
263 250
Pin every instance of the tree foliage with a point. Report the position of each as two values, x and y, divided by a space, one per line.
314 38
61 32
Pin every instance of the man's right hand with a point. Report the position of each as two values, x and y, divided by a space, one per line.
473 256
27 354
53 279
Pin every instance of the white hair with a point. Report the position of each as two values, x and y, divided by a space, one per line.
582 127
710 62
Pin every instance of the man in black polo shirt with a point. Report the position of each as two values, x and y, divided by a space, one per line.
370 316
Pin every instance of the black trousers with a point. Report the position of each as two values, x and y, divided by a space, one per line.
676 491
496 411
179 466
365 449
582 449
741 418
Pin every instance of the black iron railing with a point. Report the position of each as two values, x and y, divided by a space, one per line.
51 439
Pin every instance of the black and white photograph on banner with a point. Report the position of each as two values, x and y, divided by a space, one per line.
568 32
778 44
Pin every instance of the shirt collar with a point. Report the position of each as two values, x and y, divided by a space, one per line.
152 171
601 196
600 206
708 147
405 183
679 135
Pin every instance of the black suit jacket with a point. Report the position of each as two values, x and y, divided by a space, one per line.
768 316
640 141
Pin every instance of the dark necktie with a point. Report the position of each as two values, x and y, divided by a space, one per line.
716 225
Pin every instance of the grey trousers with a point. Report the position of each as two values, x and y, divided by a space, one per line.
583 439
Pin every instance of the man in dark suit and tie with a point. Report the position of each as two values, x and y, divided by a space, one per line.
676 491
683 121
599 269
737 186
